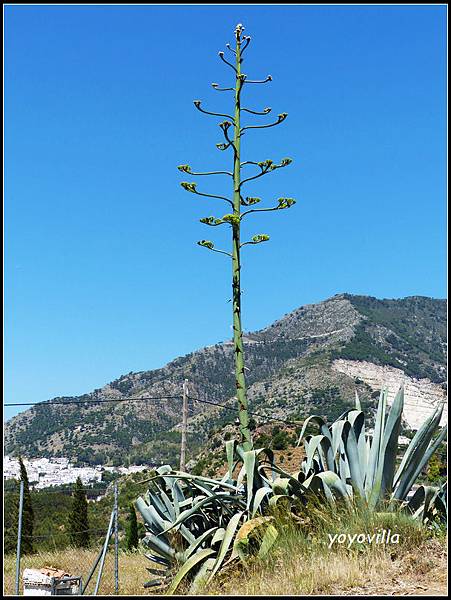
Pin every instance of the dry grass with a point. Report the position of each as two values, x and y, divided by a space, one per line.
294 567
132 569
419 571
299 575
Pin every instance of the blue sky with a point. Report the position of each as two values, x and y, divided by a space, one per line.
102 273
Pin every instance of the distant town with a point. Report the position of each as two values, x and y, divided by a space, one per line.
44 472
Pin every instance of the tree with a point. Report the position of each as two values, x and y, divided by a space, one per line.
26 544
234 218
11 518
78 518
132 530
27 512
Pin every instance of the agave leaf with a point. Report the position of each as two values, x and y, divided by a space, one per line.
159 506
270 458
296 486
158 559
319 487
150 516
201 577
194 560
260 494
311 447
275 499
358 406
337 432
324 429
440 507
163 469
243 538
281 486
413 469
230 451
422 499
352 455
315 419
154 583
270 536
228 537
199 478
419 442
218 536
158 572
243 535
390 442
170 511
198 542
357 420
330 482
186 514
249 467
159 546
373 458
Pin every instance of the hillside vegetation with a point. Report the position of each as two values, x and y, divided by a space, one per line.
289 375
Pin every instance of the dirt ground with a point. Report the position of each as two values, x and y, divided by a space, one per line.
419 573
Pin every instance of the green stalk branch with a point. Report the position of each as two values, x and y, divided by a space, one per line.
210 246
269 78
280 119
221 56
265 111
284 203
218 89
191 187
197 104
187 169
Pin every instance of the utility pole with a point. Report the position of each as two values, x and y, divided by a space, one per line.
19 537
116 540
184 426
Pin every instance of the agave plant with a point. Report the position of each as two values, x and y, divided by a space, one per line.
197 525
194 523
348 463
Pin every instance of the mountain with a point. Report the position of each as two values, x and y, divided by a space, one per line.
309 361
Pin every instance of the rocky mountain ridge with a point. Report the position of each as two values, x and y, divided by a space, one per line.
312 359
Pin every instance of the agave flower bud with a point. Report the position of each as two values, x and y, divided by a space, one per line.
207 220
265 164
225 125
232 219
286 161
261 237
252 200
206 244
189 187
286 202
184 168
282 117
197 103
221 146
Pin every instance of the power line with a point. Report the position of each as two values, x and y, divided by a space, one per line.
131 399
268 420
265 418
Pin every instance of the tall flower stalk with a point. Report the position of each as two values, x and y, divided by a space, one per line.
235 217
